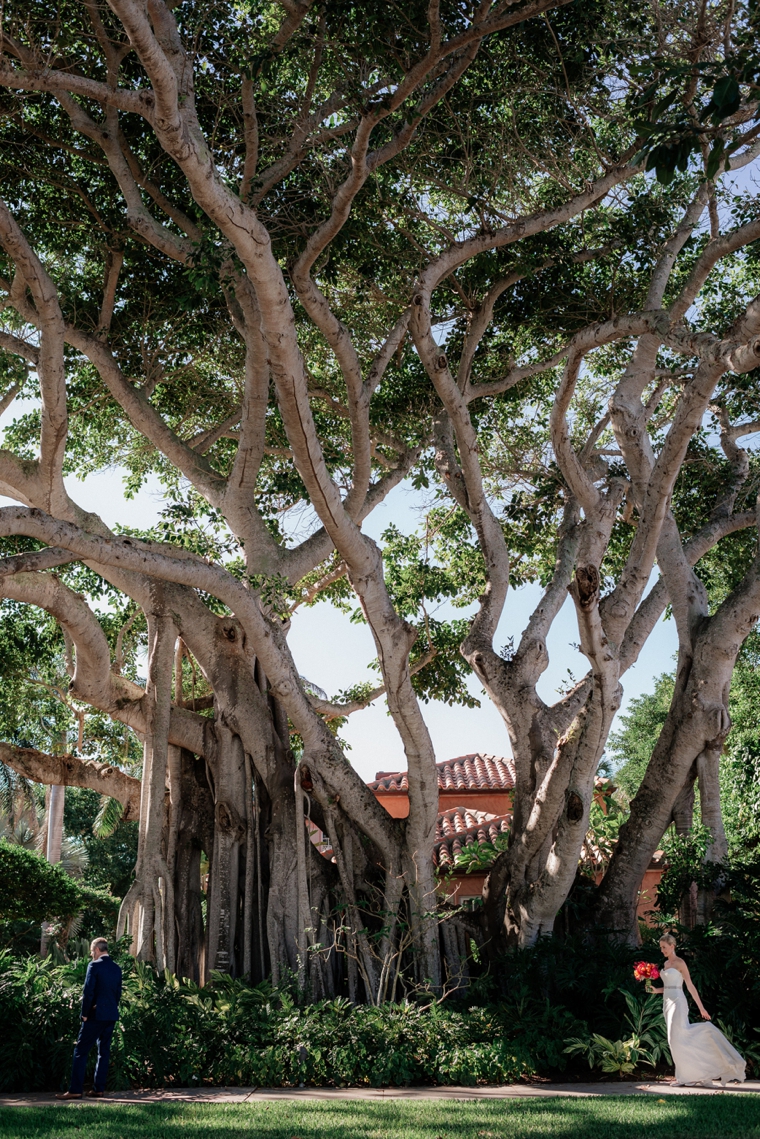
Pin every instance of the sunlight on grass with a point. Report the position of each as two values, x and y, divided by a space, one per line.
713 1117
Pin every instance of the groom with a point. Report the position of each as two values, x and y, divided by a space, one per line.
100 1011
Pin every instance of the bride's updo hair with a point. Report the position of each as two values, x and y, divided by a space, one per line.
668 938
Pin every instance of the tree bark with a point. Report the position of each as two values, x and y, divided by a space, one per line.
195 836
54 838
71 771
148 907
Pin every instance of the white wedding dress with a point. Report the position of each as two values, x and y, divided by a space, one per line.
700 1051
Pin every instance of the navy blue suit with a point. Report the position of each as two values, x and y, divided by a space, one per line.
100 1011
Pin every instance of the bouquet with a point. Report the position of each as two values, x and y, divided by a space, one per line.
645 971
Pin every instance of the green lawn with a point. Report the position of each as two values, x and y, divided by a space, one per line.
639 1117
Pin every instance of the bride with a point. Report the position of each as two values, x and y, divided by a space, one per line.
700 1052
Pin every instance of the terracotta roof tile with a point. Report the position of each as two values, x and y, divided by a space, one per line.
474 772
461 827
459 819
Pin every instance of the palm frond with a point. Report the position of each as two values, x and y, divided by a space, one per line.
74 856
108 817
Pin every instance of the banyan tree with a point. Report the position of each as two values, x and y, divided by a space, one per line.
288 256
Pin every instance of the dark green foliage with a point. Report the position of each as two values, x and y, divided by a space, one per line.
33 890
591 981
110 860
565 973
683 105
631 747
230 1033
515 1021
645 1043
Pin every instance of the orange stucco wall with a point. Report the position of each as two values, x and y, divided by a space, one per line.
396 803
647 894
462 886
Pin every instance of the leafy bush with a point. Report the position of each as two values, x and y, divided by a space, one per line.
647 1043
479 856
31 889
522 1017
173 1033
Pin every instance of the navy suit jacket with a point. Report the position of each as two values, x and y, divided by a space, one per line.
102 990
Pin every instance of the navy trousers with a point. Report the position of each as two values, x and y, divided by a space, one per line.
92 1032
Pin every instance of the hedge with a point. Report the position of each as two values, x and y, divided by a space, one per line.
31 889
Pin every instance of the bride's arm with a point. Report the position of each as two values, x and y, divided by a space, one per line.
692 989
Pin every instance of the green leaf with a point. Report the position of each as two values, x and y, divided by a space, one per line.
726 92
714 158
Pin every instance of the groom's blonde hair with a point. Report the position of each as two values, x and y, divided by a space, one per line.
100 944
668 937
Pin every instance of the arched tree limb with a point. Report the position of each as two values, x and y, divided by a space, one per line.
71 771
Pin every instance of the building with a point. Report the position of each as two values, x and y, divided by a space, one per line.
475 809
475 804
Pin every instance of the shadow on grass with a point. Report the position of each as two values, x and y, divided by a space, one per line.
637 1117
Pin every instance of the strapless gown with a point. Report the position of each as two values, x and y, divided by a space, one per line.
700 1051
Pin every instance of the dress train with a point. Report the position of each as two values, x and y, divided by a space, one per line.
701 1053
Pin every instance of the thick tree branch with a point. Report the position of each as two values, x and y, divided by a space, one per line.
71 771
266 639
49 363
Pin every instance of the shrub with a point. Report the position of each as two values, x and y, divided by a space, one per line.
31 889
646 1044
172 1032
518 1019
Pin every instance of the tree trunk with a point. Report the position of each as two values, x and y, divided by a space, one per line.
708 775
55 824
53 841
232 819
195 836
683 820
148 908
697 720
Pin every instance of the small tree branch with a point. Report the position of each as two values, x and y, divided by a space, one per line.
332 710
114 262
20 347
251 137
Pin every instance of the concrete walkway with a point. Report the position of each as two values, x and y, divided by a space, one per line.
504 1091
